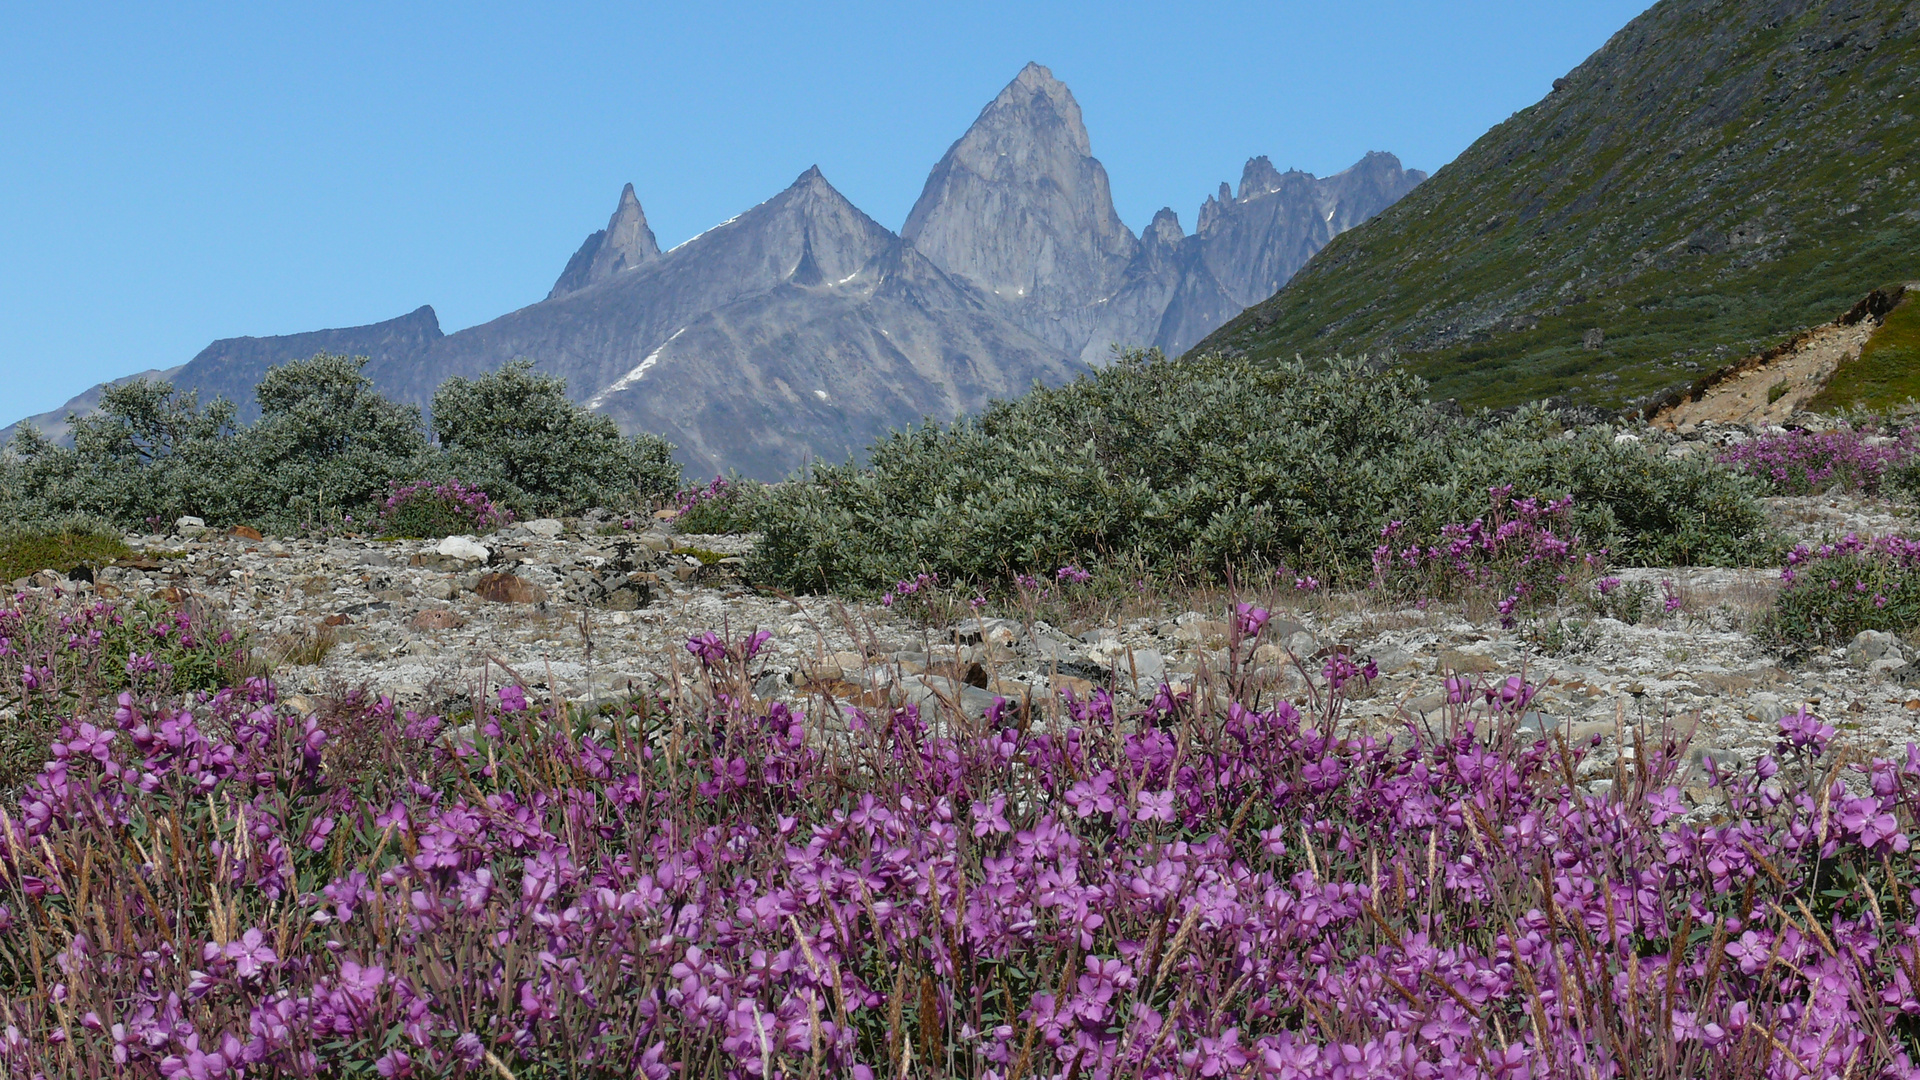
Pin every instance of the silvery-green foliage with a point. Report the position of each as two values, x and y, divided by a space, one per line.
328 446
1204 464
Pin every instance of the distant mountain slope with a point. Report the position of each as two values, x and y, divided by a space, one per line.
1243 248
1721 173
53 423
231 367
800 329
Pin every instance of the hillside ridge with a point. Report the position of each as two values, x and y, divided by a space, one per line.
1714 178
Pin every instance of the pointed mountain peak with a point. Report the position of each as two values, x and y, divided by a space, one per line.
814 184
625 243
1165 229
1259 177
1019 208
1031 104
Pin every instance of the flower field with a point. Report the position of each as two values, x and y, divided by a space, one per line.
219 884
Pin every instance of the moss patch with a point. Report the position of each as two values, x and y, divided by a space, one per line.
1887 373
28 551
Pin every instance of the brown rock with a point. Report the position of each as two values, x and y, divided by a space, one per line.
1454 660
245 533
437 619
1081 688
336 620
509 589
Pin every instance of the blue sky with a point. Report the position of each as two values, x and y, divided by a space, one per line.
176 173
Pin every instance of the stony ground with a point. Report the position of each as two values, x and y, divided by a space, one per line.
580 611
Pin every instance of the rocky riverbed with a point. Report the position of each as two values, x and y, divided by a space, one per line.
585 611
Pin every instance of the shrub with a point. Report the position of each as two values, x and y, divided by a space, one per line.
1833 591
1807 463
514 432
148 452
1206 464
326 451
431 511
694 886
327 446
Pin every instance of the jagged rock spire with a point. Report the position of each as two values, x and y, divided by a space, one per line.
625 243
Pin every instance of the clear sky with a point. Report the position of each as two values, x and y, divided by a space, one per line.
176 173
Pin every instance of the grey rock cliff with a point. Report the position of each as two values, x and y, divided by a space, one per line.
800 330
627 242
1244 248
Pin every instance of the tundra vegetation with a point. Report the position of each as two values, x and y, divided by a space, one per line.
200 879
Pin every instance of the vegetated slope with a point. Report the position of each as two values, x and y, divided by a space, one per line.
1718 175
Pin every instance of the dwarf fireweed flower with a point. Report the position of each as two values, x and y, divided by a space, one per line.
702 884
1250 620
1807 463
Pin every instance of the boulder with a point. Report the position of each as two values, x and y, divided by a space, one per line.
508 589
464 548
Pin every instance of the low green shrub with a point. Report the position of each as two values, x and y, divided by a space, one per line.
1210 465
64 546
513 433
328 450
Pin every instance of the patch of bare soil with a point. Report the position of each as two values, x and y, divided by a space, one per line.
1771 391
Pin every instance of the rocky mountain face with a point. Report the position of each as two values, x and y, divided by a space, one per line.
231 367
1245 247
804 330
1718 176
1019 207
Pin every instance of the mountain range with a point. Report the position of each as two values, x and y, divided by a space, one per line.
1719 176
802 329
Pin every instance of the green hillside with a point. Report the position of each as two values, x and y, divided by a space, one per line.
1717 176
1887 372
